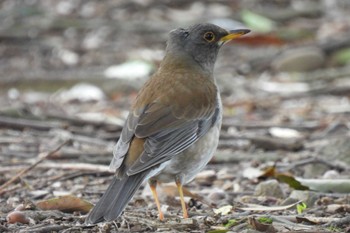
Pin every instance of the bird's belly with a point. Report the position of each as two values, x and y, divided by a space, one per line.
187 164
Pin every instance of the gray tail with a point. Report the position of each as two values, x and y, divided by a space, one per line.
116 197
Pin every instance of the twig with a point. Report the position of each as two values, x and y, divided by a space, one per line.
45 228
314 160
25 123
171 223
116 125
78 166
41 156
267 142
345 221
231 122
63 166
4 229
324 74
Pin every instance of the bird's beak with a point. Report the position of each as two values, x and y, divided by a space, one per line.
233 34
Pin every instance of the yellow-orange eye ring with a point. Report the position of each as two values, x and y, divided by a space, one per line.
209 36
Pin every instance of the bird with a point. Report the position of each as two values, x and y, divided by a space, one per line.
173 126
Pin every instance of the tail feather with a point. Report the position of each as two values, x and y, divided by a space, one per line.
116 197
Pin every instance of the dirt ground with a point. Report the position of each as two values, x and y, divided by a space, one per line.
69 70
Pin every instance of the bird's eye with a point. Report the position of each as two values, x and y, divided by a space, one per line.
186 34
209 36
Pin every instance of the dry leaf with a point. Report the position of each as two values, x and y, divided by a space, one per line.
253 207
66 204
284 178
263 227
224 210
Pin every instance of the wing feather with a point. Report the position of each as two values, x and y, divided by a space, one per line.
167 126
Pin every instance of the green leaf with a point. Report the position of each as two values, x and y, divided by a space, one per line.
342 57
291 181
301 207
218 231
231 223
257 22
334 229
265 220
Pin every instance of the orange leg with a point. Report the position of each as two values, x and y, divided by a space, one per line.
153 186
183 204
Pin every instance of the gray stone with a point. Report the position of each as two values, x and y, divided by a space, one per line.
270 188
314 170
308 197
299 59
336 150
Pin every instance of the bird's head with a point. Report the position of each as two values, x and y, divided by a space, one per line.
200 42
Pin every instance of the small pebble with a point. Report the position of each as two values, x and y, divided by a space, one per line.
216 196
269 188
331 174
206 177
306 196
299 60
17 217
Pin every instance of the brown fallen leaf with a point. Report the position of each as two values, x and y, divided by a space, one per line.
67 204
268 172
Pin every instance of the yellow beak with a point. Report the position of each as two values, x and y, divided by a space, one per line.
233 34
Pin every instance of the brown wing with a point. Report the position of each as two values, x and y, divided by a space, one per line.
166 123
